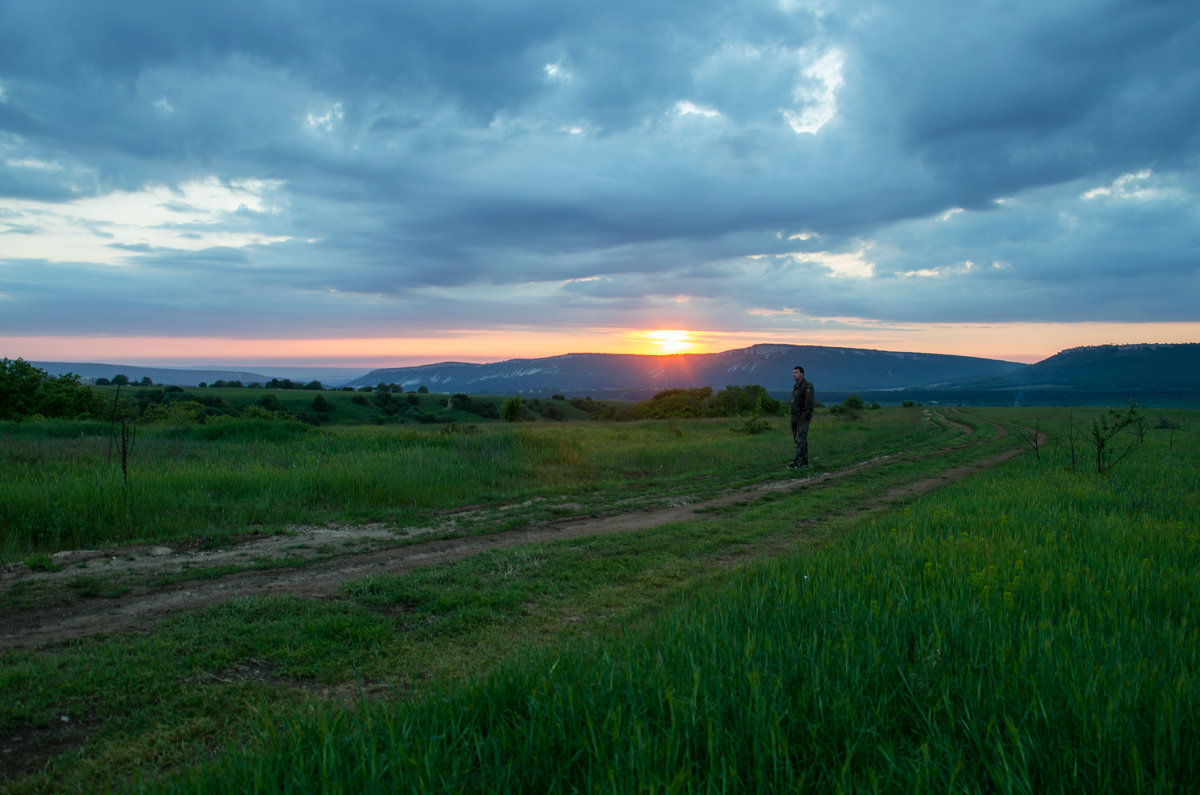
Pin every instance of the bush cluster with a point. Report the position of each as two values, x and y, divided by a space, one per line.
28 392
732 401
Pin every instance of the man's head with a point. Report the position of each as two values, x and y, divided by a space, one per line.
798 373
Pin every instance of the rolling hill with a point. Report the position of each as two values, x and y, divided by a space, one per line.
1142 368
1168 374
89 371
636 376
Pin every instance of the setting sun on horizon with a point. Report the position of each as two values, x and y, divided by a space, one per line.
671 340
1021 342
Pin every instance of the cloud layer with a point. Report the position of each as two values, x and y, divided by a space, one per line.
317 168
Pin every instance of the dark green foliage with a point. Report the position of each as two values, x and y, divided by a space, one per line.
545 409
270 403
513 409
27 391
246 430
480 408
736 401
851 408
674 403
732 401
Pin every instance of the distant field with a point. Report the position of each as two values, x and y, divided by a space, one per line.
348 407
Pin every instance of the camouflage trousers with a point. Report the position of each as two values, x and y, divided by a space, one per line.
800 437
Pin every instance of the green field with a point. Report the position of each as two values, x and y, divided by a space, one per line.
1031 627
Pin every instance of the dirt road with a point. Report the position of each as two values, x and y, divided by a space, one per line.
327 557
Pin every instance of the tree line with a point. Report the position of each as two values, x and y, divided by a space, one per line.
29 392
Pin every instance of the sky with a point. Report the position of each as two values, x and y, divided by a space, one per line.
375 184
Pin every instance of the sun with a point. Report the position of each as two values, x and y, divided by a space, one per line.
671 340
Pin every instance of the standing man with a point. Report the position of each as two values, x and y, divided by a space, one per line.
802 410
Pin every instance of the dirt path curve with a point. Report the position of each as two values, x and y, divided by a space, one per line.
330 565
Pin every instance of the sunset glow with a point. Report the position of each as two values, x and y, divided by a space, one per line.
1018 342
671 340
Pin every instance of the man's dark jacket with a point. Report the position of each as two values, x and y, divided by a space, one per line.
802 401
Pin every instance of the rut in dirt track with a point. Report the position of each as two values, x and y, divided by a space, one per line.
144 605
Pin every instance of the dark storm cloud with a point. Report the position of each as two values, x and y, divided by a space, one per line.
740 165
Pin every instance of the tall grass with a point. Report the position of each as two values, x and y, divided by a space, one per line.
1030 629
63 485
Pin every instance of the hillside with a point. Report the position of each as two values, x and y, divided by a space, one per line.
1099 374
1106 368
636 376
89 371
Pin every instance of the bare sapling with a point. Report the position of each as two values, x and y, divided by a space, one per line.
1105 430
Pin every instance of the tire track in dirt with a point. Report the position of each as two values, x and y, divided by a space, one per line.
144 605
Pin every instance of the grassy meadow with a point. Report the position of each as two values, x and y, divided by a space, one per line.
66 486
1030 628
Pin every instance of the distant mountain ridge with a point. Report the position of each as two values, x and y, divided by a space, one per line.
1102 374
90 371
638 376
1143 367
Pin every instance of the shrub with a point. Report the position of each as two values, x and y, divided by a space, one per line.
28 391
513 409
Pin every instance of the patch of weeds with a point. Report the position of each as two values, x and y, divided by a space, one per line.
93 587
561 511
514 523
208 573
290 562
42 562
19 595
456 428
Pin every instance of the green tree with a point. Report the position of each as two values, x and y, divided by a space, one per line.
849 409
180 412
19 385
66 397
271 403
674 403
28 391
513 409
735 401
